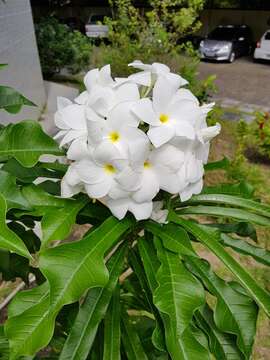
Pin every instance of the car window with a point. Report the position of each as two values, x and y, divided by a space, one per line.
223 33
267 36
94 19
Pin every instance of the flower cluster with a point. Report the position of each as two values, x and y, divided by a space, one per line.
129 138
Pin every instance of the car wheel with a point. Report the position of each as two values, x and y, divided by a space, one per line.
232 57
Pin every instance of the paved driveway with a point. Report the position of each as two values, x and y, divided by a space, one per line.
243 80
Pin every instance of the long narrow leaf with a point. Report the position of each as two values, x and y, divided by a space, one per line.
206 237
83 332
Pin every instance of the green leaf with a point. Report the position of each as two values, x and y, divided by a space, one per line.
74 267
26 142
11 192
185 347
23 174
179 293
242 189
131 341
4 346
30 325
243 247
216 165
83 332
217 211
201 233
235 312
237 201
8 239
243 229
222 345
112 334
11 100
2 66
39 198
173 237
59 227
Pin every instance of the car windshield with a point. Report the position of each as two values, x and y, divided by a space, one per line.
94 19
224 33
267 36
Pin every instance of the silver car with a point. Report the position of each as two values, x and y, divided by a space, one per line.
226 42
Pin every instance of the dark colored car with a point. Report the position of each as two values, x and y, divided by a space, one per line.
227 42
74 24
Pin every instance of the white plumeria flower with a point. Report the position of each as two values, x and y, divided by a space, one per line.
150 73
169 114
159 214
159 171
71 183
119 131
70 118
103 93
99 171
120 207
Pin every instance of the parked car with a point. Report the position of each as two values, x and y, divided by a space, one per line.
226 42
74 23
95 27
262 51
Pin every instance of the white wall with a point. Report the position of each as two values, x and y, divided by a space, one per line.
18 49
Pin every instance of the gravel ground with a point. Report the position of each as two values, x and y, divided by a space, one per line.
243 80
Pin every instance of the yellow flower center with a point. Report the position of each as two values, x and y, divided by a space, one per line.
163 118
114 136
109 168
146 165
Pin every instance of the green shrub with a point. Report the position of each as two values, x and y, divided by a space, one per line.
60 47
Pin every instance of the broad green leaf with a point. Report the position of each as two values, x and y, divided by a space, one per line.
4 346
93 310
23 174
179 293
173 237
202 234
2 66
222 345
13 266
26 142
131 341
74 267
12 192
217 211
243 247
242 189
31 325
38 198
235 312
237 201
57 224
8 239
184 347
112 334
216 165
11 100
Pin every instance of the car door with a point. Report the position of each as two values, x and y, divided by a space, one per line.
265 43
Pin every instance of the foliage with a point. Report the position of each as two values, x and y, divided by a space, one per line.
163 304
60 47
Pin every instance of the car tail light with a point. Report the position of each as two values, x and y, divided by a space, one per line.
258 45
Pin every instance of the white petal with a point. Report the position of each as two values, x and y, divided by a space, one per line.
143 109
141 78
138 144
121 116
149 187
206 108
209 133
100 189
82 99
158 68
185 110
89 172
158 214
71 176
184 129
72 135
117 193
62 102
118 207
160 135
90 79
127 92
163 93
168 156
78 149
137 64
129 179
168 181
68 191
74 117
141 211
185 94
105 78
176 80
106 152
193 188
